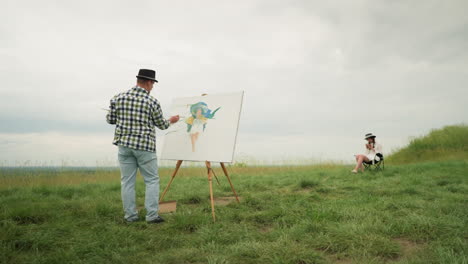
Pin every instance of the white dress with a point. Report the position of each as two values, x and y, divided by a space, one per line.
370 153
197 126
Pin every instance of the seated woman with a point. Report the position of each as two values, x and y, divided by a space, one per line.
372 149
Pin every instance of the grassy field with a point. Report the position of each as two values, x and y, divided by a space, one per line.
410 213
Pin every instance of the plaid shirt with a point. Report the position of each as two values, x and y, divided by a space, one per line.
135 114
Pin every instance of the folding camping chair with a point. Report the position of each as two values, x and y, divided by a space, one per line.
376 164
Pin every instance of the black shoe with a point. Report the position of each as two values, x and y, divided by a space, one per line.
157 220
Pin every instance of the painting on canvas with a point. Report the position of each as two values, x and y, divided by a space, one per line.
207 128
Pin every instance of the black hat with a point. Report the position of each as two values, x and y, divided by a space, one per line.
369 135
147 74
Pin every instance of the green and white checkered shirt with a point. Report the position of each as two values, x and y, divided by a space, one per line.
135 113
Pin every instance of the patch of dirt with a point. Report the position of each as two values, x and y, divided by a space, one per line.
407 247
265 229
167 207
164 207
333 257
339 260
225 200
284 190
343 261
303 191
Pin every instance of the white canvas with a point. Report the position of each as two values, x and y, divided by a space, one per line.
211 136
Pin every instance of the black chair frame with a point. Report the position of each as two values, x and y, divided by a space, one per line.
375 165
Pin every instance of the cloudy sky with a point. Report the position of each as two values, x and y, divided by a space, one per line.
317 75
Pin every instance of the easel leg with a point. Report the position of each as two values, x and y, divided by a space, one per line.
210 181
229 179
216 177
179 162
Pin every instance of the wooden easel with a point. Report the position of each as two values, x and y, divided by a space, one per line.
210 176
211 173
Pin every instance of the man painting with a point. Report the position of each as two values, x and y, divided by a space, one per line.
135 114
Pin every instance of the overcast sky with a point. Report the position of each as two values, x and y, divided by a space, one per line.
317 75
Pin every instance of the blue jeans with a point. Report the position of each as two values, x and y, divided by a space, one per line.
130 160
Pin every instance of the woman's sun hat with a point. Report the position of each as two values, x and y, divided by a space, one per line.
369 135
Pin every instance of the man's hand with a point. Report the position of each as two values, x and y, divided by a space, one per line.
174 119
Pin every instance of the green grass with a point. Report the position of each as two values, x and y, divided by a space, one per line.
448 143
414 213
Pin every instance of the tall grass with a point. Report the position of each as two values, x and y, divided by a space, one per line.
448 143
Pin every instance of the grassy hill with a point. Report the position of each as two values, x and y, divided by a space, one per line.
409 213
448 143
